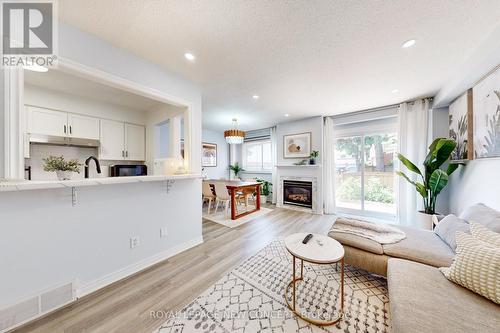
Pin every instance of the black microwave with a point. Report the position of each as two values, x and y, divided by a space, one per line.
123 170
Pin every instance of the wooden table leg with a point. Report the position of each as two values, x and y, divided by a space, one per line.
257 203
233 204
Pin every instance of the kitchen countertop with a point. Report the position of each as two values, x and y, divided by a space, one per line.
22 185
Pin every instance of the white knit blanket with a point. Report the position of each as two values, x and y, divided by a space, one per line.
380 233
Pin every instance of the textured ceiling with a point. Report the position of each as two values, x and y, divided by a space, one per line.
302 57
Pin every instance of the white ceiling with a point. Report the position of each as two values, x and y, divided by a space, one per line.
303 57
74 85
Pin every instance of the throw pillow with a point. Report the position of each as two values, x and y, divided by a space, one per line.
481 232
447 228
476 267
482 214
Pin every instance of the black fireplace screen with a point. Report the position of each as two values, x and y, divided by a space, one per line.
298 193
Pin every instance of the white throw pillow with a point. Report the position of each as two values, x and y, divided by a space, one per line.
476 267
483 214
481 232
447 228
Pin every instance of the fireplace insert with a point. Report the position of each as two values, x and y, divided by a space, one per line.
298 193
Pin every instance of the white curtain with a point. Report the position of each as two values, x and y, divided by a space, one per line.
413 144
274 158
329 167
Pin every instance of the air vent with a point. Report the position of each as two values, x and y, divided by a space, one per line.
46 301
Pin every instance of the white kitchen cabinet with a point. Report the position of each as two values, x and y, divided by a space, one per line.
122 141
83 127
112 140
135 141
47 122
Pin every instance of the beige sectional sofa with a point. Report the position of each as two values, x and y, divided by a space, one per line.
421 298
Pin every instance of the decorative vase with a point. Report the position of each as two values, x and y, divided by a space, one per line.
424 220
312 161
63 175
263 198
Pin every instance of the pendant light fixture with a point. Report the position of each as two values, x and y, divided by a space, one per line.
234 136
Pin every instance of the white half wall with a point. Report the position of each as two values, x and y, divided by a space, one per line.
45 241
221 170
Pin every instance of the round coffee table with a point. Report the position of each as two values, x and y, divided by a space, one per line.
320 250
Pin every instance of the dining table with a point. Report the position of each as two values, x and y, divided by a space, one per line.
237 187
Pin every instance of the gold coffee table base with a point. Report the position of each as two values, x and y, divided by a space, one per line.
296 311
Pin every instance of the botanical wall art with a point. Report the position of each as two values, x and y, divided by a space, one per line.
461 127
297 145
208 154
487 116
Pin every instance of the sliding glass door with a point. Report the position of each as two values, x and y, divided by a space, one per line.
365 178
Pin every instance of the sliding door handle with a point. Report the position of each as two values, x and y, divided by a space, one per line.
70 130
123 153
64 129
126 153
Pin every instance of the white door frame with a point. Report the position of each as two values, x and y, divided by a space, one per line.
14 122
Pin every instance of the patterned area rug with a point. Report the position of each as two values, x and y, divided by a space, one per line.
221 218
250 299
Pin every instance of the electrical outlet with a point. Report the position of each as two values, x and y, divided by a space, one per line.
163 232
134 242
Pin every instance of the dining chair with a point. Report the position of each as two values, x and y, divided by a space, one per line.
207 194
222 196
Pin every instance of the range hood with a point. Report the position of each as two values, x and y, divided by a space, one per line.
63 140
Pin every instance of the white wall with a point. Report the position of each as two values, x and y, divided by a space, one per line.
478 181
51 99
439 129
221 170
44 240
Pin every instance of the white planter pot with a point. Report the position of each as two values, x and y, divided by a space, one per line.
263 199
64 175
424 221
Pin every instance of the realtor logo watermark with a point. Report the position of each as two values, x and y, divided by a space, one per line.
29 33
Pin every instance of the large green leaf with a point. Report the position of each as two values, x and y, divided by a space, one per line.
421 189
405 177
438 181
407 163
444 149
432 151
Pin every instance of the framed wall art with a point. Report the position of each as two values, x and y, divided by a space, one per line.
297 145
461 127
208 154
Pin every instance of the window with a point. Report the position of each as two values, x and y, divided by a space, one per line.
364 168
257 155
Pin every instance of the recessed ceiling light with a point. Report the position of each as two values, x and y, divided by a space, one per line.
255 96
409 43
189 56
395 91
287 115
36 68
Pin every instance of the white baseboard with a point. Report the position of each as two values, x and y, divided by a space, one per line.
134 268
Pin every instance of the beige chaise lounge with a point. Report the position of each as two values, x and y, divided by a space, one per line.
421 298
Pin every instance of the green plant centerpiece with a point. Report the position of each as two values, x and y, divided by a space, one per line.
313 156
432 179
61 167
265 189
236 169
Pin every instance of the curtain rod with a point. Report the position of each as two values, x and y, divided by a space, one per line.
380 108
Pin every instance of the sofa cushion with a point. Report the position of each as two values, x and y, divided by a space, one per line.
483 214
423 246
357 241
423 300
447 228
481 232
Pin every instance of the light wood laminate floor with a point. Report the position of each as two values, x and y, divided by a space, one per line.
170 285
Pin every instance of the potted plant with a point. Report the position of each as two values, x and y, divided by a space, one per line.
265 189
432 180
236 169
62 168
313 156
